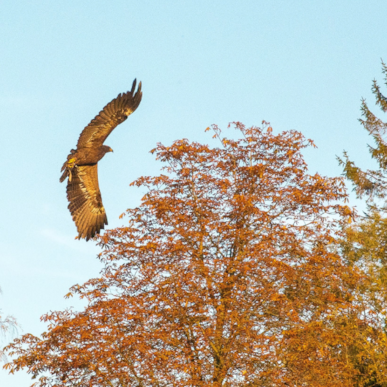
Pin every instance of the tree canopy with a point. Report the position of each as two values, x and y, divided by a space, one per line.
364 246
371 184
226 274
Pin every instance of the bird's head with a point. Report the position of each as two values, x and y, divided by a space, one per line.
107 148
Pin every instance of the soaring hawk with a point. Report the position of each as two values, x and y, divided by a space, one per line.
83 194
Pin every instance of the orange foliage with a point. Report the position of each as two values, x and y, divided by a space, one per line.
226 275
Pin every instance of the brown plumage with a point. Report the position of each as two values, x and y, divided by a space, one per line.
83 194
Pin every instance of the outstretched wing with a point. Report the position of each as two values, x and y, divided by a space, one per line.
110 116
85 201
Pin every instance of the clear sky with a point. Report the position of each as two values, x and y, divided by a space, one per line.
300 65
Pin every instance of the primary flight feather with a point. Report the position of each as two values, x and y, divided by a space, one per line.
83 194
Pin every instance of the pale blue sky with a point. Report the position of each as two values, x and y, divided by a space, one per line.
299 64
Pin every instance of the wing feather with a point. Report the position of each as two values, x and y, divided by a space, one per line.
85 202
110 116
81 218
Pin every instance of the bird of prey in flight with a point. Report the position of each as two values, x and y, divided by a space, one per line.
83 194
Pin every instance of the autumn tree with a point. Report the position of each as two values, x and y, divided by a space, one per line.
227 274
